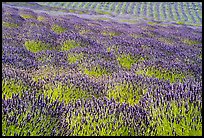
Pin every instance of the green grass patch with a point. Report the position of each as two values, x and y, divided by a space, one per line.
84 31
43 72
69 44
161 74
81 12
110 33
150 34
12 86
126 61
58 29
49 71
109 49
181 23
95 71
10 25
152 23
166 40
44 58
81 29
103 12
73 58
40 18
190 42
72 11
27 16
165 126
110 125
103 127
126 93
65 93
136 35
128 21
77 26
36 46
148 28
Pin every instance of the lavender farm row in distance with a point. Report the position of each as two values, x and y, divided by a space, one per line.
65 75
180 12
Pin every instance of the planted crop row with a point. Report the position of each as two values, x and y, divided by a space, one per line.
170 11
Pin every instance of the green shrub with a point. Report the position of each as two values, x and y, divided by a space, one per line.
165 127
96 71
161 74
11 86
11 25
126 93
27 16
69 44
36 46
72 58
40 18
58 29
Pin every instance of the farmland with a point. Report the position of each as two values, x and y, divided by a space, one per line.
102 69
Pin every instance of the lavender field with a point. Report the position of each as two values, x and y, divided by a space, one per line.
101 69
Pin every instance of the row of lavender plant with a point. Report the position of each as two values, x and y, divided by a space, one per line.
188 11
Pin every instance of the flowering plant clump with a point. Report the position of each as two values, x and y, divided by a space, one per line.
65 75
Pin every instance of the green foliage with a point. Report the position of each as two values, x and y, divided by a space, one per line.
65 93
109 49
152 23
36 46
44 72
27 16
126 93
50 71
72 58
95 71
190 42
58 29
166 40
11 25
181 23
40 18
136 35
90 128
28 127
69 44
165 126
128 21
72 11
44 58
126 61
161 74
111 34
103 12
80 12
83 31
11 86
